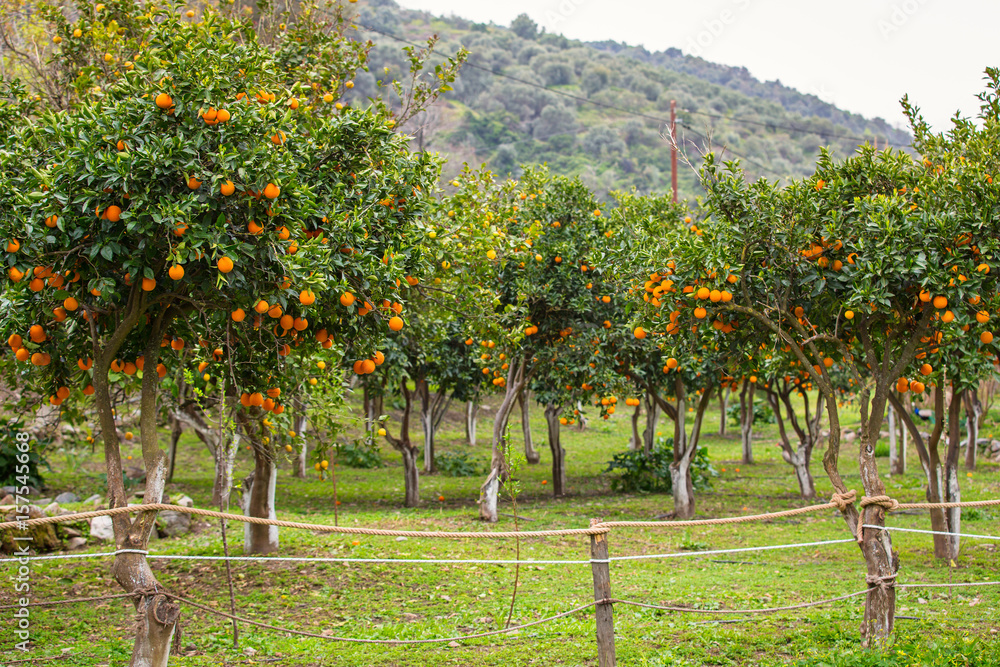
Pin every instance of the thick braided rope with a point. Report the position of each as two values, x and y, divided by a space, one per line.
840 501
885 502
157 507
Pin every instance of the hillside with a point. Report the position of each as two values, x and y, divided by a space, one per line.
600 109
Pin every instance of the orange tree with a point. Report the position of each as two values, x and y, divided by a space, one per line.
815 272
166 204
550 291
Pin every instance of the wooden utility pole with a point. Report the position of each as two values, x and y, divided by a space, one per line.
673 146
602 591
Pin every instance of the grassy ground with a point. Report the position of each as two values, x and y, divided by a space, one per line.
939 626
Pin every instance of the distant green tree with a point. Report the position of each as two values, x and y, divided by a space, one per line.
524 27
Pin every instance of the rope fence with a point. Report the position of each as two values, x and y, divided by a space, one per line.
599 561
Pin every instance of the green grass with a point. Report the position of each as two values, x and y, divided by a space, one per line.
370 600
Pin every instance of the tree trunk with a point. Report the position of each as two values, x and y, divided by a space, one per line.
652 416
558 453
635 443
489 492
300 422
156 615
427 422
746 420
258 501
471 413
225 459
683 488
973 415
411 476
807 488
175 435
532 456
890 417
723 406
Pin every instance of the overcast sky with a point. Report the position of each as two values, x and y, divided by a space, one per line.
861 55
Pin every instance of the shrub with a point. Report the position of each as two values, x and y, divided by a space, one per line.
359 454
762 413
457 465
12 471
639 472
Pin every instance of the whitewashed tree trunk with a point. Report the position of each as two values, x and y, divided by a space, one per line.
723 406
489 492
973 416
258 501
652 416
471 418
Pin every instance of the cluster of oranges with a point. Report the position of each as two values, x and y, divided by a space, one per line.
257 400
367 366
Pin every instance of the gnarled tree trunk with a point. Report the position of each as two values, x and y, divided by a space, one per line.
778 395
685 448
635 442
723 406
652 416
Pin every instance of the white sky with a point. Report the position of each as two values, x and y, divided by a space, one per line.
861 55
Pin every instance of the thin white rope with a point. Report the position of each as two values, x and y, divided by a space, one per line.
99 554
934 532
683 554
471 561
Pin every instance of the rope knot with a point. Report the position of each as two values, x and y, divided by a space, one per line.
843 500
882 583
885 502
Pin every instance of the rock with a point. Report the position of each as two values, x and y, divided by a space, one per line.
453 644
995 446
52 509
43 537
172 524
7 500
135 473
67 497
183 501
43 501
93 500
401 539
72 532
101 528
409 618
76 543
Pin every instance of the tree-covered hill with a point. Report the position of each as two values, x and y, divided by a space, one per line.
600 110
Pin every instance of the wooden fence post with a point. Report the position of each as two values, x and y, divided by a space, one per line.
602 591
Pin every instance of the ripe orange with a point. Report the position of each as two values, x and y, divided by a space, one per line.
671 363
700 313
983 316
286 321
36 285
15 341
703 293
148 284
940 302
177 344
849 314
14 274
986 337
254 228
239 315
300 323
917 387
275 312
379 358
161 370
59 313
283 233
926 369
395 323
307 298
13 245
271 191
640 333
223 116
262 306
22 354
225 265
113 213
293 104
256 399
367 366
36 333
193 183
176 272
164 101
227 188
347 299
88 391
